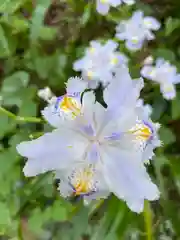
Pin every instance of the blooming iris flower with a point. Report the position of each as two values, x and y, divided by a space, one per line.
96 152
67 106
100 62
165 74
103 6
136 30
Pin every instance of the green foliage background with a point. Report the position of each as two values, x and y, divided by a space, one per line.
39 41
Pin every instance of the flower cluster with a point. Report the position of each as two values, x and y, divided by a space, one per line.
100 61
163 73
136 30
94 150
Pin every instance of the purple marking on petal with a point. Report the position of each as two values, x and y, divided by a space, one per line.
74 94
149 125
88 130
88 194
81 194
114 136
93 154
58 101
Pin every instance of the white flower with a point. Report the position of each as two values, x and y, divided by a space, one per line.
67 106
100 61
136 30
103 6
98 137
45 94
165 74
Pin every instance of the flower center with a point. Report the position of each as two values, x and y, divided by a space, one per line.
142 131
69 105
82 181
81 188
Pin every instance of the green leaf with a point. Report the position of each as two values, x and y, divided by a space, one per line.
7 124
166 135
16 23
47 33
5 218
175 107
59 212
37 20
10 6
86 15
14 86
7 160
4 46
165 53
35 221
171 24
15 81
80 223
159 107
28 109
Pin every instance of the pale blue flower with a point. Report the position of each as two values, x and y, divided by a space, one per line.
99 62
95 153
164 74
136 30
103 6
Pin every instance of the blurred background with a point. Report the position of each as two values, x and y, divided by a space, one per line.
39 41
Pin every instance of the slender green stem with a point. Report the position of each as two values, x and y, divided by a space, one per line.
95 207
19 118
20 234
148 221
6 112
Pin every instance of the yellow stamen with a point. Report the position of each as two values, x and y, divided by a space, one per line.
70 104
81 187
114 60
142 132
89 75
83 181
